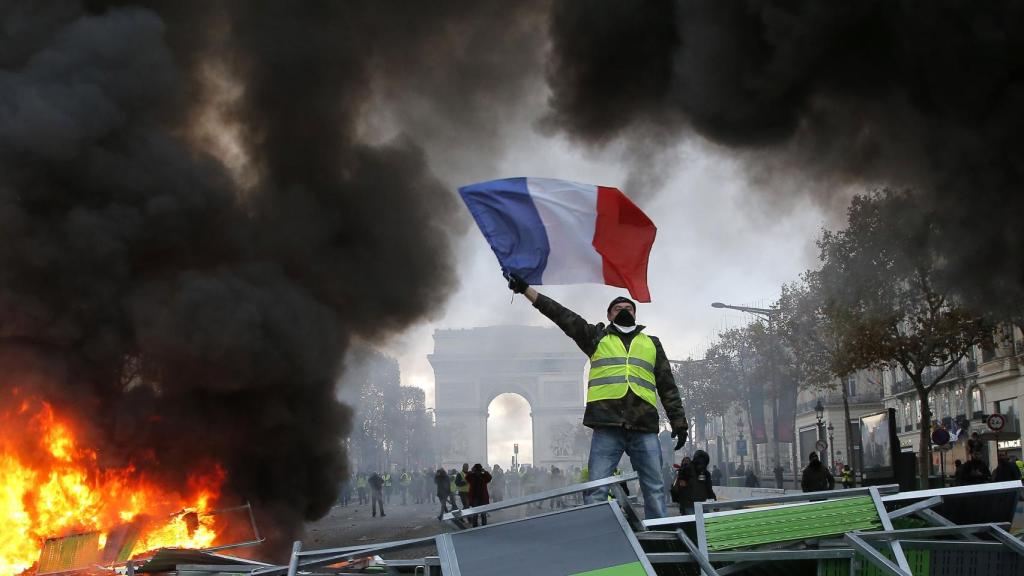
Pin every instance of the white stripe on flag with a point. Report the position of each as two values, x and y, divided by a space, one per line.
569 213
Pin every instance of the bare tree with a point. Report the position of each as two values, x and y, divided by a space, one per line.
881 298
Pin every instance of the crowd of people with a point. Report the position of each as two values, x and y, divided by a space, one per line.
688 482
455 489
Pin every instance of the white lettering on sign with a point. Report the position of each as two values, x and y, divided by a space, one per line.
1008 444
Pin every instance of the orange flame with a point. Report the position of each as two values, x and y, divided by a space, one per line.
50 486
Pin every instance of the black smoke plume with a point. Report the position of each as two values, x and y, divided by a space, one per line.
928 95
188 309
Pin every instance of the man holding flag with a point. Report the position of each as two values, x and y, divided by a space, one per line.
628 371
548 231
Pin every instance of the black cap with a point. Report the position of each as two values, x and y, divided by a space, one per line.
622 299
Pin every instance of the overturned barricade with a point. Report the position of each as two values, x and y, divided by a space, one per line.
860 531
124 550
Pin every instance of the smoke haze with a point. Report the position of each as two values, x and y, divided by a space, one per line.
921 94
191 288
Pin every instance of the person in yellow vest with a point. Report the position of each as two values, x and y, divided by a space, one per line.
404 481
462 485
629 371
387 486
361 486
452 475
625 486
581 476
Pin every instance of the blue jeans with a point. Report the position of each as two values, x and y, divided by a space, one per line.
644 451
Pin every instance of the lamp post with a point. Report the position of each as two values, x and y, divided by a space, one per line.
831 447
770 315
741 445
819 413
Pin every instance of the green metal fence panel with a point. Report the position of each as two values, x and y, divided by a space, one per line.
815 520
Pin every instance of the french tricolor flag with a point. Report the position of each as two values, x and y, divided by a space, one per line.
552 231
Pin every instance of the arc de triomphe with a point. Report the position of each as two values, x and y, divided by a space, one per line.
473 366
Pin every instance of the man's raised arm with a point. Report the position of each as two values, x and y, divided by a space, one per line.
574 326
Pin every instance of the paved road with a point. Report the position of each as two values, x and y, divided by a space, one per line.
354 525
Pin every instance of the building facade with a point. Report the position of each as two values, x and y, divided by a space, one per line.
984 382
864 392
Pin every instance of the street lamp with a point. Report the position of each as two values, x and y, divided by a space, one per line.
819 412
831 446
771 315
741 445
766 313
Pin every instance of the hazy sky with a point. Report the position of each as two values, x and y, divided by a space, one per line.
719 238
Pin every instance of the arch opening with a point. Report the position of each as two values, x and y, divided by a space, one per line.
509 422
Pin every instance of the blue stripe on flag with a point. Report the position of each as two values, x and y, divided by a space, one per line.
508 218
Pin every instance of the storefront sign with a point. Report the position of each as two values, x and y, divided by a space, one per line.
1008 444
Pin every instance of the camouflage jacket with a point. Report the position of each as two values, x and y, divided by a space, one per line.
630 411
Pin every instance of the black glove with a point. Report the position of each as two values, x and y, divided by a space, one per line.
680 435
516 283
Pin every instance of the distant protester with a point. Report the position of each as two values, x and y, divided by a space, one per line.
816 477
462 485
444 491
377 494
848 480
693 482
478 479
1005 470
974 471
778 471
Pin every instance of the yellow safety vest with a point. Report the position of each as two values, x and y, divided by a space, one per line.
615 370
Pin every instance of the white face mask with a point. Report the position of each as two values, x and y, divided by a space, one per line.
625 329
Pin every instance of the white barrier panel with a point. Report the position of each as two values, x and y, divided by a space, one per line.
738 493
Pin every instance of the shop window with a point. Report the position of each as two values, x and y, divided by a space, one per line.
1008 408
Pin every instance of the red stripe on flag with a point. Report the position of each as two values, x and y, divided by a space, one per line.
623 237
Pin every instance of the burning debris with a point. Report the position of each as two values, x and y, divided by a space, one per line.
53 485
